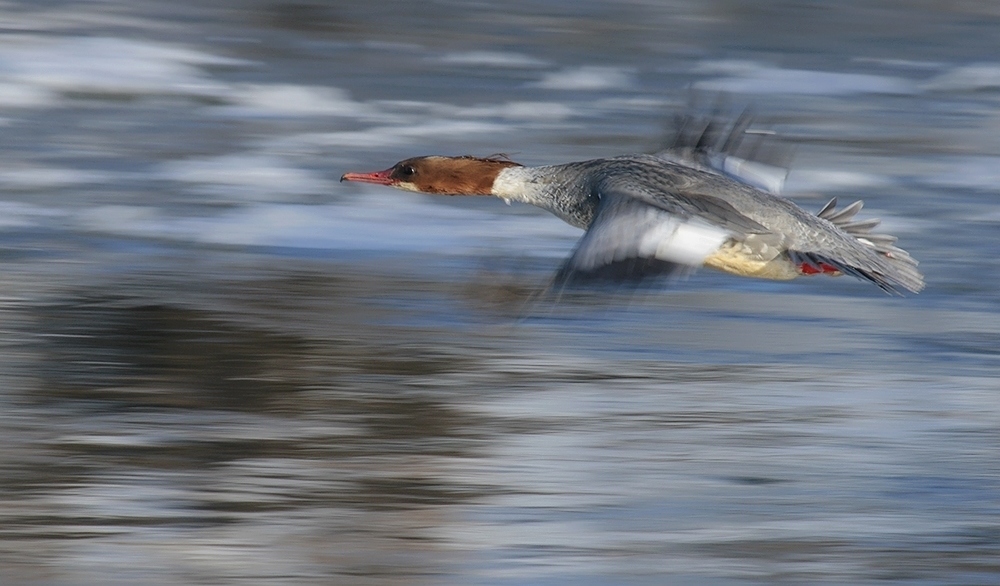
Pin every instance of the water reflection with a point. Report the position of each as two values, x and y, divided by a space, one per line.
172 432
209 434
220 366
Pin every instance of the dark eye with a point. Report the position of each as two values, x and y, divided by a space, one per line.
407 170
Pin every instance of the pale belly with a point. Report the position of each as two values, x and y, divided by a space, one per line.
739 259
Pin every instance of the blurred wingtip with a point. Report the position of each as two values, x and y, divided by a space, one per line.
711 133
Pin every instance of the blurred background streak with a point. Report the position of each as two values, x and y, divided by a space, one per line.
220 366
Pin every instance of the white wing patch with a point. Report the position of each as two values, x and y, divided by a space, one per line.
626 229
687 243
761 175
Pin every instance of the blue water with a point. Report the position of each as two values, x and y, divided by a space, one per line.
219 365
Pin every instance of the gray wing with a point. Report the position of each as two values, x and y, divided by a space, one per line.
864 254
631 240
830 238
709 145
683 191
717 143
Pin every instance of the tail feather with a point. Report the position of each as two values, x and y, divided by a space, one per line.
861 227
831 213
890 279
894 269
711 144
824 212
880 238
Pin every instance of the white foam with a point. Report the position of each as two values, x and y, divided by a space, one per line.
969 172
50 177
728 66
520 111
819 180
369 220
492 59
107 65
397 134
900 63
748 77
412 112
296 100
35 71
990 217
978 76
618 104
13 95
15 214
588 77
357 227
119 218
249 176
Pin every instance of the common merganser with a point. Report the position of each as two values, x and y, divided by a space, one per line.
658 214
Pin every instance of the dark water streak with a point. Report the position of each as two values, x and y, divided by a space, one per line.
194 395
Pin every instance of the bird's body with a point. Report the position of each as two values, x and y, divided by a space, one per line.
654 214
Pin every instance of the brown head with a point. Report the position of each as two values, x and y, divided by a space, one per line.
440 175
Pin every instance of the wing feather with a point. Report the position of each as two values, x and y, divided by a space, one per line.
631 240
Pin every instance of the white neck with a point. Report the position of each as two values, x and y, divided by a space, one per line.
549 188
524 184
510 183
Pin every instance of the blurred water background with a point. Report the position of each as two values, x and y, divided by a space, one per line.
221 366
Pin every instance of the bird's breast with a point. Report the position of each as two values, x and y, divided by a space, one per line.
753 260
